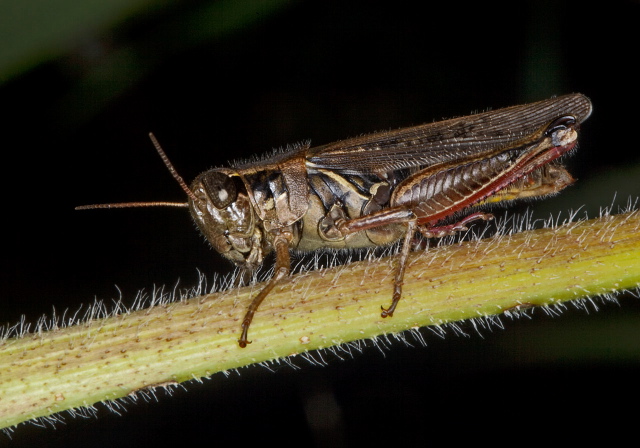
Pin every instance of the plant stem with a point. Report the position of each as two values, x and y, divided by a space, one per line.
45 372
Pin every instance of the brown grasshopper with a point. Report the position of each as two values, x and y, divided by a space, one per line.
376 189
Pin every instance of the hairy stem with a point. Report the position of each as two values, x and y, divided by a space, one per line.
46 372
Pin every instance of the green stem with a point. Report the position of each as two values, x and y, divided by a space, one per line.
104 359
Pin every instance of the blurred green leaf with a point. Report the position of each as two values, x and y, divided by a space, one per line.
36 31
33 31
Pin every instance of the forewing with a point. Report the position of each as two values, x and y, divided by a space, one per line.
463 138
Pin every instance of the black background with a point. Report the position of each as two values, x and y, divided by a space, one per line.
319 70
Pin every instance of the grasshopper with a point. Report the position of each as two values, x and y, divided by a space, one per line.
380 188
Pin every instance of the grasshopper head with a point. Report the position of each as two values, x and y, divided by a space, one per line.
223 212
221 207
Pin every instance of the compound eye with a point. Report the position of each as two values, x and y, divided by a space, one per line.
220 188
560 124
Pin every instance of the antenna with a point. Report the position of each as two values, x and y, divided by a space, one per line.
173 172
